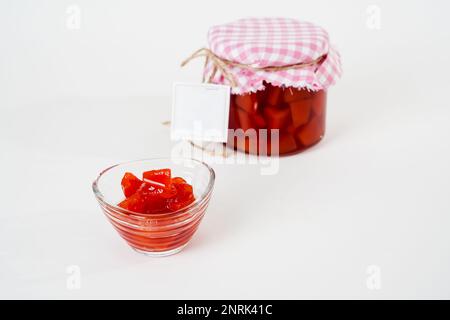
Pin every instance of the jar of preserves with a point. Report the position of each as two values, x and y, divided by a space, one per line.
279 71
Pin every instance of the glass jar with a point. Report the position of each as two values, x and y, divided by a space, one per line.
294 117
279 71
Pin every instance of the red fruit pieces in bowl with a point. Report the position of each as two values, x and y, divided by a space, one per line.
157 193
135 203
178 180
183 198
160 178
130 184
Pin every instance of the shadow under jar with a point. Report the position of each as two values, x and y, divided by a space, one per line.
283 120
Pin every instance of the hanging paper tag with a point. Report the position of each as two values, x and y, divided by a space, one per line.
200 112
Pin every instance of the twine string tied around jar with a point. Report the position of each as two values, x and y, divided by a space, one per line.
222 65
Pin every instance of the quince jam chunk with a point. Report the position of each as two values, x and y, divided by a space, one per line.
297 114
130 184
157 192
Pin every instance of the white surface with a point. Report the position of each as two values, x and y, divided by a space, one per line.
374 192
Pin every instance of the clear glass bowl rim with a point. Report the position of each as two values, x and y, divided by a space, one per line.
99 195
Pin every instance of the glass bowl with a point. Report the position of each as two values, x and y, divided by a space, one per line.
155 234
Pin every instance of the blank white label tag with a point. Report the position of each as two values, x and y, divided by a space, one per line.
200 112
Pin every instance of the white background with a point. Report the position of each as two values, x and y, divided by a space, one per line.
374 192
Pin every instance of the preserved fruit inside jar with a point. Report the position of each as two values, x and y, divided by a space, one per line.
284 118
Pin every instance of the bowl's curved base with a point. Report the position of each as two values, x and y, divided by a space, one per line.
160 253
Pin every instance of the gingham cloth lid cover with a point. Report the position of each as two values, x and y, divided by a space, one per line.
262 42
